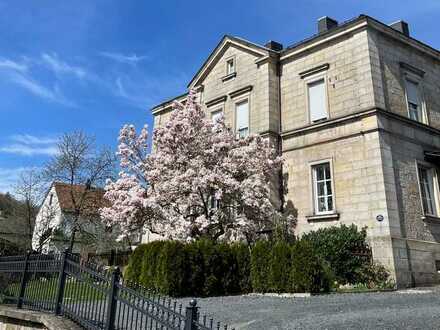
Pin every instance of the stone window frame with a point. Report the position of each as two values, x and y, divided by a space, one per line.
310 79
234 64
411 76
333 214
217 108
238 100
232 75
436 188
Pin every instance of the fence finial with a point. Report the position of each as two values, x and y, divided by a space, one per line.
193 303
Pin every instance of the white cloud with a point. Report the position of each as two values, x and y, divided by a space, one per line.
13 65
38 89
24 150
30 145
60 67
122 58
32 139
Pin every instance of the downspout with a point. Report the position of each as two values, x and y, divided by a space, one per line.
280 142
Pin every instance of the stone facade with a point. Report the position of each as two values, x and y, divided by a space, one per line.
372 147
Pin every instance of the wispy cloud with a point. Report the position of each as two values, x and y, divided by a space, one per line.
61 67
50 94
9 177
32 139
135 98
123 58
30 145
13 65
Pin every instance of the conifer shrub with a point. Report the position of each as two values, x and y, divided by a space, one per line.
279 267
260 266
170 275
308 272
243 258
134 269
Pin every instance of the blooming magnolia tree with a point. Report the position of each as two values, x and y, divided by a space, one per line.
199 181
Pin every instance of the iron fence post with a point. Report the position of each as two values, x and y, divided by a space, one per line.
23 280
61 283
191 315
112 299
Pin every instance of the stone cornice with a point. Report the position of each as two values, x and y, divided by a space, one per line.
215 101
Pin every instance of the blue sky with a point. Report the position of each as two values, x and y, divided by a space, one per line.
95 65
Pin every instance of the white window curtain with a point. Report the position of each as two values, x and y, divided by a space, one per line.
427 190
242 119
317 100
215 115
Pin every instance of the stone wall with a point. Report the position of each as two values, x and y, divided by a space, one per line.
349 79
354 148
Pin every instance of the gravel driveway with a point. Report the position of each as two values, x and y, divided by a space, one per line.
405 309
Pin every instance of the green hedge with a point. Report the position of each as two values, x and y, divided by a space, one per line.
204 268
336 246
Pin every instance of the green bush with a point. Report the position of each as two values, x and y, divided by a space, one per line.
170 276
243 260
149 265
375 276
260 266
308 272
201 268
133 270
336 246
279 267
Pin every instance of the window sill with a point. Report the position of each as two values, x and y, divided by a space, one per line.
322 217
229 76
431 218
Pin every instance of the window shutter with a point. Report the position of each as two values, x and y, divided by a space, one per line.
242 115
317 100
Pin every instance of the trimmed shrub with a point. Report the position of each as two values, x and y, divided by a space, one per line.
260 266
194 270
134 269
308 272
375 276
279 267
242 255
149 265
170 276
336 245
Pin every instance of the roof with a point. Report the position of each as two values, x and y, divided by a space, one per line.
303 43
93 198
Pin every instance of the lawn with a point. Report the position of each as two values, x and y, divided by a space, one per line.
45 289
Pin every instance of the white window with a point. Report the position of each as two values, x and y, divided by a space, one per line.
242 119
317 100
322 188
216 115
413 98
428 190
230 66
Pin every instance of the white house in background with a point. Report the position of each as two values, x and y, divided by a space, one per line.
54 220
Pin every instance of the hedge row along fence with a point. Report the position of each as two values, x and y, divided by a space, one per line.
203 268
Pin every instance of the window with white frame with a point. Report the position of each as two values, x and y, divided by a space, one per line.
414 100
230 66
317 99
322 188
428 190
216 115
242 118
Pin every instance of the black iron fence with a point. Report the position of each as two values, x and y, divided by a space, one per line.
91 296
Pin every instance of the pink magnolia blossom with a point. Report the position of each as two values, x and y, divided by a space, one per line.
200 180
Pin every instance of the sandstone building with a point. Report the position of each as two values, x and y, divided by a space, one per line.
355 111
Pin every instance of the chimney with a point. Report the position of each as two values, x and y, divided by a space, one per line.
326 23
274 45
401 26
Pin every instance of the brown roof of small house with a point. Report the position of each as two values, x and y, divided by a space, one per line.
92 199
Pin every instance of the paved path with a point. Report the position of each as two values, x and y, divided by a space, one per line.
407 309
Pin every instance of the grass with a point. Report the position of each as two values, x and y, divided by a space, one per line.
46 289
